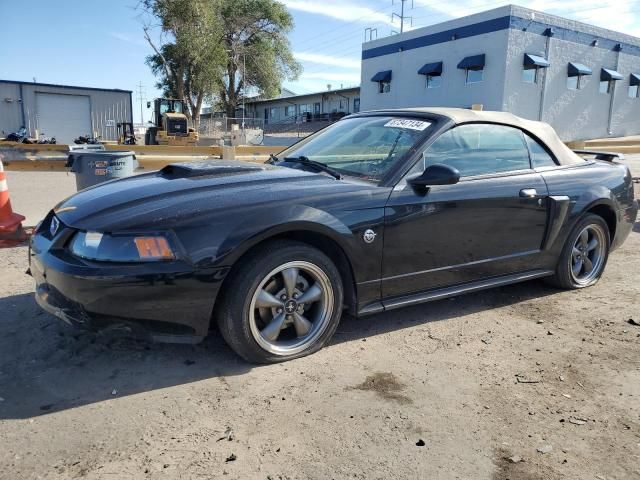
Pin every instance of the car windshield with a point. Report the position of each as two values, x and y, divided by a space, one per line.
364 147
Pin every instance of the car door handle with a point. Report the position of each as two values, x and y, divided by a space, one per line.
528 193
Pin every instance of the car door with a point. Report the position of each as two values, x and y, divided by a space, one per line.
492 222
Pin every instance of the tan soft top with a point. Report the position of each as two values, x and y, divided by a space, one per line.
542 131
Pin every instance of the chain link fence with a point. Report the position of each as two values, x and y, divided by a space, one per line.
248 131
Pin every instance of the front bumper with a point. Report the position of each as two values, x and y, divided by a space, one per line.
166 301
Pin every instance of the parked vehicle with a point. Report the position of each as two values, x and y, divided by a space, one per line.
170 126
126 134
87 140
21 136
378 211
44 140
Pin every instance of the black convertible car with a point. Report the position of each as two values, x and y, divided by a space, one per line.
380 210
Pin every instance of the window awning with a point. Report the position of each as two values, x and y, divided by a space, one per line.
384 76
576 69
635 79
535 61
606 74
431 69
475 62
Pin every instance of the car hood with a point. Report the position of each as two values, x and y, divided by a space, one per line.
188 193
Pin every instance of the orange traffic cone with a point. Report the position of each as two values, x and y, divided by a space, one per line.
11 232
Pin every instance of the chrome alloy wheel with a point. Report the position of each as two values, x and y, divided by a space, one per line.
588 254
291 308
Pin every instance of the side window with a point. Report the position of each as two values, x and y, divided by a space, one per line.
480 149
539 156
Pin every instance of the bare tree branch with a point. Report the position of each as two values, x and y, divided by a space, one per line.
165 64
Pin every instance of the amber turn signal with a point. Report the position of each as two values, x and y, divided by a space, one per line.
153 247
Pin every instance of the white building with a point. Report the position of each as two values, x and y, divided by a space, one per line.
289 108
581 79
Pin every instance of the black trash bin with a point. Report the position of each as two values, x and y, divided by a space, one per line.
95 166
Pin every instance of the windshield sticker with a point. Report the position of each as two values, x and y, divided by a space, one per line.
405 123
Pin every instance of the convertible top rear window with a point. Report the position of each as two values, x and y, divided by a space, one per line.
364 147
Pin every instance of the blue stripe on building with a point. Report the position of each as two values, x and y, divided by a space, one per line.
498 24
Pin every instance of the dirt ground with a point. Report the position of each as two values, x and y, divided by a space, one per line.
522 382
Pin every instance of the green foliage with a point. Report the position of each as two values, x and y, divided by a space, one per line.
219 49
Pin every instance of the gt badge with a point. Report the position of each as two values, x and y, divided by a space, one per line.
369 236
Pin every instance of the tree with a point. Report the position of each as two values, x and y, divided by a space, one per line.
188 62
258 55
219 49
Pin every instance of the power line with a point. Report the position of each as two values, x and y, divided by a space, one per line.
402 16
340 27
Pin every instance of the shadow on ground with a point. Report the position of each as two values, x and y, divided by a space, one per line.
46 366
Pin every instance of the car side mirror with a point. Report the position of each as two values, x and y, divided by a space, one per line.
436 174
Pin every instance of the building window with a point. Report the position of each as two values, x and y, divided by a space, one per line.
530 75
633 91
605 86
434 81
473 67
575 83
273 113
474 75
577 73
289 110
356 105
531 67
342 104
384 87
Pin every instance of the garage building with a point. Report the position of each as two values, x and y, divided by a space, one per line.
62 111
583 80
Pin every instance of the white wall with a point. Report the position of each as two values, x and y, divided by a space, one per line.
575 114
408 88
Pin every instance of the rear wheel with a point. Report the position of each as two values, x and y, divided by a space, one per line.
283 301
584 255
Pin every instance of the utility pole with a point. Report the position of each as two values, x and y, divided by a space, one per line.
244 84
141 98
402 16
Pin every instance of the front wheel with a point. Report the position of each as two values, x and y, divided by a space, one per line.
283 301
584 255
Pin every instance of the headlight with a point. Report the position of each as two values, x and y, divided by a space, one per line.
121 248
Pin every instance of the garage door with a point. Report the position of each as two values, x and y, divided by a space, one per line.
63 116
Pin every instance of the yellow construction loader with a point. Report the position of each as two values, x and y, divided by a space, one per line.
170 124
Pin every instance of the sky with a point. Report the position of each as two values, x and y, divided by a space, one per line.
101 44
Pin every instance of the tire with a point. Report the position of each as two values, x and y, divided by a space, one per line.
582 267
258 312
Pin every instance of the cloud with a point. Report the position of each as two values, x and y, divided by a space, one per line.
619 15
344 77
347 11
353 63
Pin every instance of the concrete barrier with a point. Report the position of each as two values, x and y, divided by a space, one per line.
33 157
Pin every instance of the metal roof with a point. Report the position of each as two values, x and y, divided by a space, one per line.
302 95
75 87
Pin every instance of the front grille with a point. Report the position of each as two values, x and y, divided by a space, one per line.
177 127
